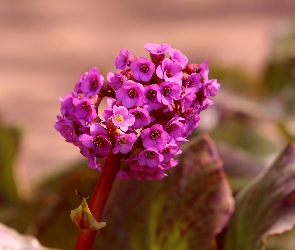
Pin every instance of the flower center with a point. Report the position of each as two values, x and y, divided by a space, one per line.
166 91
119 118
94 84
122 141
137 114
151 94
155 134
99 141
168 73
132 93
144 68
170 128
150 154
86 106
166 150
190 83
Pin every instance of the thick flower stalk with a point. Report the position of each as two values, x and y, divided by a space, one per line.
153 106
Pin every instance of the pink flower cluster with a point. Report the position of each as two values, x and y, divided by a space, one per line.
153 106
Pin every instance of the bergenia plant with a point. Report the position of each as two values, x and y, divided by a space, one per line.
153 105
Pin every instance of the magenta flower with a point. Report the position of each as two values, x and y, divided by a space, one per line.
122 174
192 119
211 88
92 83
169 71
143 69
67 130
169 91
157 49
92 163
176 128
84 110
98 145
122 59
152 97
150 157
203 104
142 117
131 94
154 137
169 151
121 118
177 56
193 83
116 80
204 69
97 141
187 100
124 143
67 106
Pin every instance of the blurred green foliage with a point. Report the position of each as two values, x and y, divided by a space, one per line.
9 144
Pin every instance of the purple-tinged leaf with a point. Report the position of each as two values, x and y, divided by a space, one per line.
265 207
183 211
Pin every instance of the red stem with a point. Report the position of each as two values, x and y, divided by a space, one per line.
98 200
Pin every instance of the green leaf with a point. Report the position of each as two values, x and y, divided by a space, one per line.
183 211
265 207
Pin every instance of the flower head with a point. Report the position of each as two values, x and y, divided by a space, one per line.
153 105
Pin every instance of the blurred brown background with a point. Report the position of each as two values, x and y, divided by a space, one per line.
46 45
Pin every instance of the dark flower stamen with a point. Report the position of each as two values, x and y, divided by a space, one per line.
144 68
150 154
122 141
155 134
171 128
132 93
166 91
137 114
168 73
151 94
99 141
166 150
94 84
86 106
